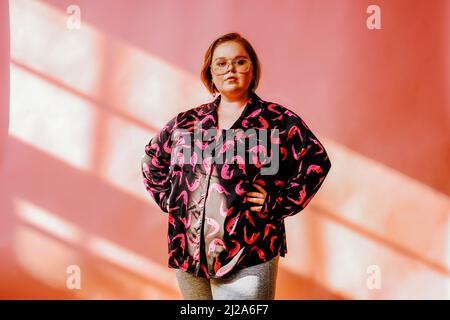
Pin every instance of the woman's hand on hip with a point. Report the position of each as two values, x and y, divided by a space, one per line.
256 197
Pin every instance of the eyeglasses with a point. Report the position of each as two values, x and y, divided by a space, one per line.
220 66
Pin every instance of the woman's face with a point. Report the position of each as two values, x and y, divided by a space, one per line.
227 51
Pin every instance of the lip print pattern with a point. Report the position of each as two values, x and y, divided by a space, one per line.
211 230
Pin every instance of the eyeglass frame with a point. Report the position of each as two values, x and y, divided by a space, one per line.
228 65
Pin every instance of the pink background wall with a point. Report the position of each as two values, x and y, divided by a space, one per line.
79 105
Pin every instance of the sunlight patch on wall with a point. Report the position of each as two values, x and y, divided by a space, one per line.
41 40
50 119
45 245
88 98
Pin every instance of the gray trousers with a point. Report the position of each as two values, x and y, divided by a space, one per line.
252 283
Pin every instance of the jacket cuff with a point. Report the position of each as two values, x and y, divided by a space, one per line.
269 206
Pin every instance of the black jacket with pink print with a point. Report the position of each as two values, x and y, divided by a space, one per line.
191 160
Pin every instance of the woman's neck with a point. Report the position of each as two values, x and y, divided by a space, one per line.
233 104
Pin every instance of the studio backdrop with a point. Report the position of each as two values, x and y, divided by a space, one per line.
85 84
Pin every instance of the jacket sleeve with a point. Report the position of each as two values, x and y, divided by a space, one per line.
307 164
155 165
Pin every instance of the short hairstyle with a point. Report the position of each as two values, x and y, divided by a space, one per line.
206 75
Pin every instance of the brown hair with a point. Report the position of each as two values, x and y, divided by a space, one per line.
206 76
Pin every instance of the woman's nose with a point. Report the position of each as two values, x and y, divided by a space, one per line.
231 66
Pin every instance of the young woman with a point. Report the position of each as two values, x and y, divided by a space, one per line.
226 217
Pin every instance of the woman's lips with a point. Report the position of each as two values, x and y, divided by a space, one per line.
231 79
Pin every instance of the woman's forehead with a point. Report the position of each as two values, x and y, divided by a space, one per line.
229 50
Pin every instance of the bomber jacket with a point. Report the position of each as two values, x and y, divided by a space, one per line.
188 171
